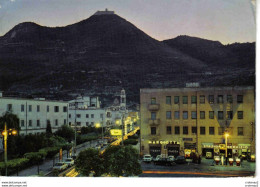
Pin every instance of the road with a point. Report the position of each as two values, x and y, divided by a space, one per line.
205 169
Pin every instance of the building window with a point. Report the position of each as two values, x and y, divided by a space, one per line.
65 122
211 99
220 98
108 115
194 130
22 108
92 123
70 123
185 99
56 108
78 115
176 115
185 115
22 123
153 115
38 123
65 109
168 115
185 130
220 115
78 123
193 115
168 130
48 109
202 114
69 115
56 122
211 114
38 108
168 100
239 98
193 99
240 131
87 116
176 99
177 130
211 130
153 130
221 130
30 123
87 123
202 130
229 99
153 100
229 115
240 115
30 108
9 107
202 99
92 115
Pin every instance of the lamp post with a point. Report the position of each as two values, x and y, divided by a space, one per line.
5 133
226 136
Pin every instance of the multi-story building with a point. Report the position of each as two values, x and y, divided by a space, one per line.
176 119
35 114
86 112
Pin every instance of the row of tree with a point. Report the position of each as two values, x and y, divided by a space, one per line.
115 161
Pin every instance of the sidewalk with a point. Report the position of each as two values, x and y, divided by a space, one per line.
47 165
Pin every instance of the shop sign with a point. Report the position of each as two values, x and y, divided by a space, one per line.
116 132
163 142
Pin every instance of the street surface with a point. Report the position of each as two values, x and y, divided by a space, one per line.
205 169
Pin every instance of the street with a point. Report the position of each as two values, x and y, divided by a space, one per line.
205 169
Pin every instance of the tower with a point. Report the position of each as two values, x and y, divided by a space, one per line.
122 99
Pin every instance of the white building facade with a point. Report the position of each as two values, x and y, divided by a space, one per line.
35 114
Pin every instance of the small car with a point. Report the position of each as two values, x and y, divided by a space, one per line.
60 166
69 161
180 160
157 158
147 158
171 158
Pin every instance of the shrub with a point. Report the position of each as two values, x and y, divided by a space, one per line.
130 142
51 151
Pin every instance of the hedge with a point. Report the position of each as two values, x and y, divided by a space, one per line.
51 151
130 141
13 165
36 157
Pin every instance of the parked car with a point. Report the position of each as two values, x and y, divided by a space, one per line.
147 158
164 161
60 166
69 161
171 158
180 160
157 157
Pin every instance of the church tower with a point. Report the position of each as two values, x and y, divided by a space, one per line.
122 99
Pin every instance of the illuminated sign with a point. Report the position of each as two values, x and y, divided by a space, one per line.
163 142
116 132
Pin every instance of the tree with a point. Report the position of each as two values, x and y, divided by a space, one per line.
122 161
48 129
66 132
88 161
11 120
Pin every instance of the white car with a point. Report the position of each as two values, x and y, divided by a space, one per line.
69 161
171 158
60 166
147 158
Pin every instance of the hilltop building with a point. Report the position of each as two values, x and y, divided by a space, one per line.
175 120
106 12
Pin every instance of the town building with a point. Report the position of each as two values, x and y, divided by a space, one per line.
35 114
106 12
175 120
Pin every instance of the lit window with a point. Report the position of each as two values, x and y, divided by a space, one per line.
185 115
193 99
168 115
202 114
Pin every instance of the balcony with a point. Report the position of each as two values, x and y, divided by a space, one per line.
154 122
153 107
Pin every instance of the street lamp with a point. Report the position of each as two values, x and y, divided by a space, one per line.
226 136
5 134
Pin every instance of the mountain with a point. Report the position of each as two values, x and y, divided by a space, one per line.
102 54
